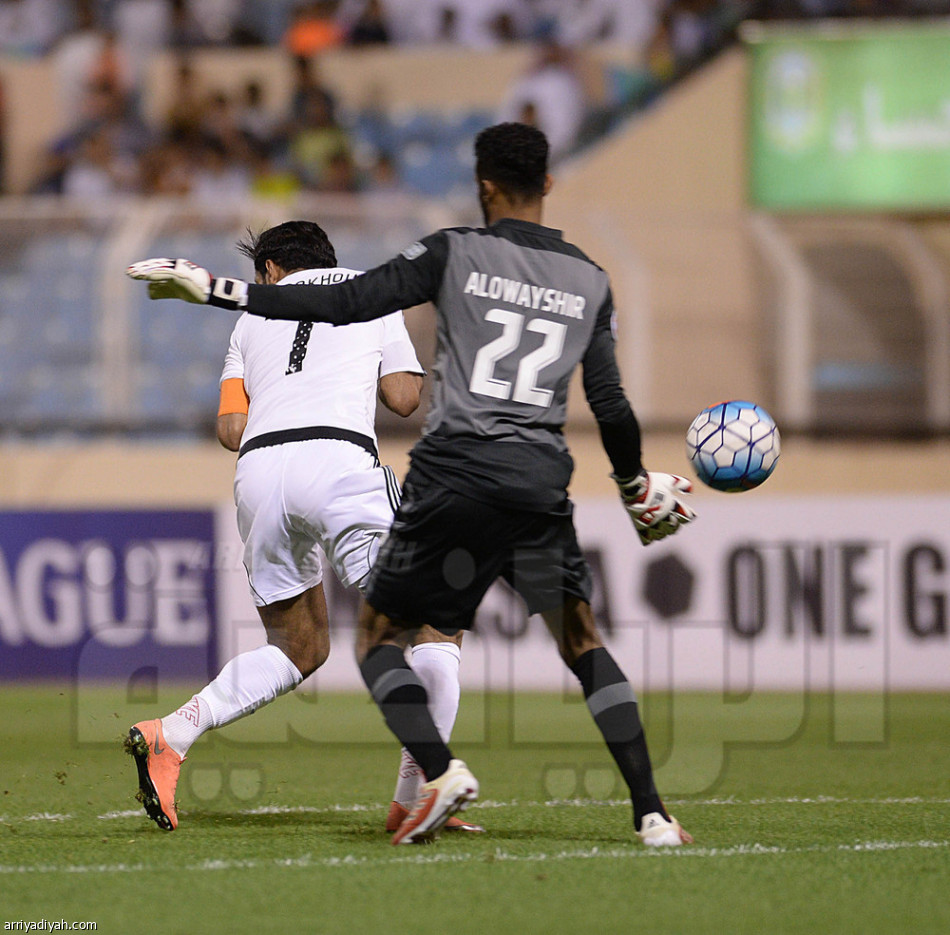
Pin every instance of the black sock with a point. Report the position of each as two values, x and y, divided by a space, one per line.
403 700
614 708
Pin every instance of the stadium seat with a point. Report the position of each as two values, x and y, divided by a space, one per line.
417 126
432 170
433 151
463 126
59 395
48 334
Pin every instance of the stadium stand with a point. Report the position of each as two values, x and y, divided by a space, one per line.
411 138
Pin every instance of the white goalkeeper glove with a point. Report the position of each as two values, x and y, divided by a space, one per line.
655 503
182 279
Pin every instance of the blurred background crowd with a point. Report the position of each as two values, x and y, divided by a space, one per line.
211 144
165 127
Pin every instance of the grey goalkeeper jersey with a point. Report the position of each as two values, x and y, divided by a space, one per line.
518 308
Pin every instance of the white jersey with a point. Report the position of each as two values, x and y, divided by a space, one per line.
302 374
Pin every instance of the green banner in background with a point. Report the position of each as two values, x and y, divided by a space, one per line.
850 117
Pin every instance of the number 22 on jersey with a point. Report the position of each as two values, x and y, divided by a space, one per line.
525 388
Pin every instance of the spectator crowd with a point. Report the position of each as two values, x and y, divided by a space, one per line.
212 145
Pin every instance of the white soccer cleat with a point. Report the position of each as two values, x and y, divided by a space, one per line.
656 831
438 801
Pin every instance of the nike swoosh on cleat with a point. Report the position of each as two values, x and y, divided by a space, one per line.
159 750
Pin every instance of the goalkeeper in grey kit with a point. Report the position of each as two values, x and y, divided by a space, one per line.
518 308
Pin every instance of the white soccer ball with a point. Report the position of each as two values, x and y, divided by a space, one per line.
733 446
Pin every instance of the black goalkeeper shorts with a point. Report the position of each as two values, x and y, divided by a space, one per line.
445 550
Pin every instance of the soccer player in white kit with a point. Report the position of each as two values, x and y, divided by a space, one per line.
298 403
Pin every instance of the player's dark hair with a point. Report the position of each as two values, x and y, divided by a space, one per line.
292 245
514 156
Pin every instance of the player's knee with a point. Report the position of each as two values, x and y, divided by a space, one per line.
308 655
574 628
375 629
572 650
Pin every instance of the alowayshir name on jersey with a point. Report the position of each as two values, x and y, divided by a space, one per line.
539 298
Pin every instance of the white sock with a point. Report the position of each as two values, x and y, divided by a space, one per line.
246 683
437 665
408 781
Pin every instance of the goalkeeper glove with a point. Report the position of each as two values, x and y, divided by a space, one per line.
655 504
182 279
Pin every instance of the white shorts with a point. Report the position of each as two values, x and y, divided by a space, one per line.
298 498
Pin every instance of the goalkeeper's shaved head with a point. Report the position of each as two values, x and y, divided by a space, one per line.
292 246
515 157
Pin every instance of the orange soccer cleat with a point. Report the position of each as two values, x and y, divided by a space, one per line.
398 813
158 767
438 801
460 824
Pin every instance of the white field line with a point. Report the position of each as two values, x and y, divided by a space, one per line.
727 800
307 861
492 804
124 813
294 809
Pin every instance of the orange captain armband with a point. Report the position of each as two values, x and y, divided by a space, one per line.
234 397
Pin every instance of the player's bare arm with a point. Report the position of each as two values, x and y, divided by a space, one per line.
401 392
230 430
232 413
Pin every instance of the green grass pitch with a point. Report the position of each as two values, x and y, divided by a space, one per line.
797 830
